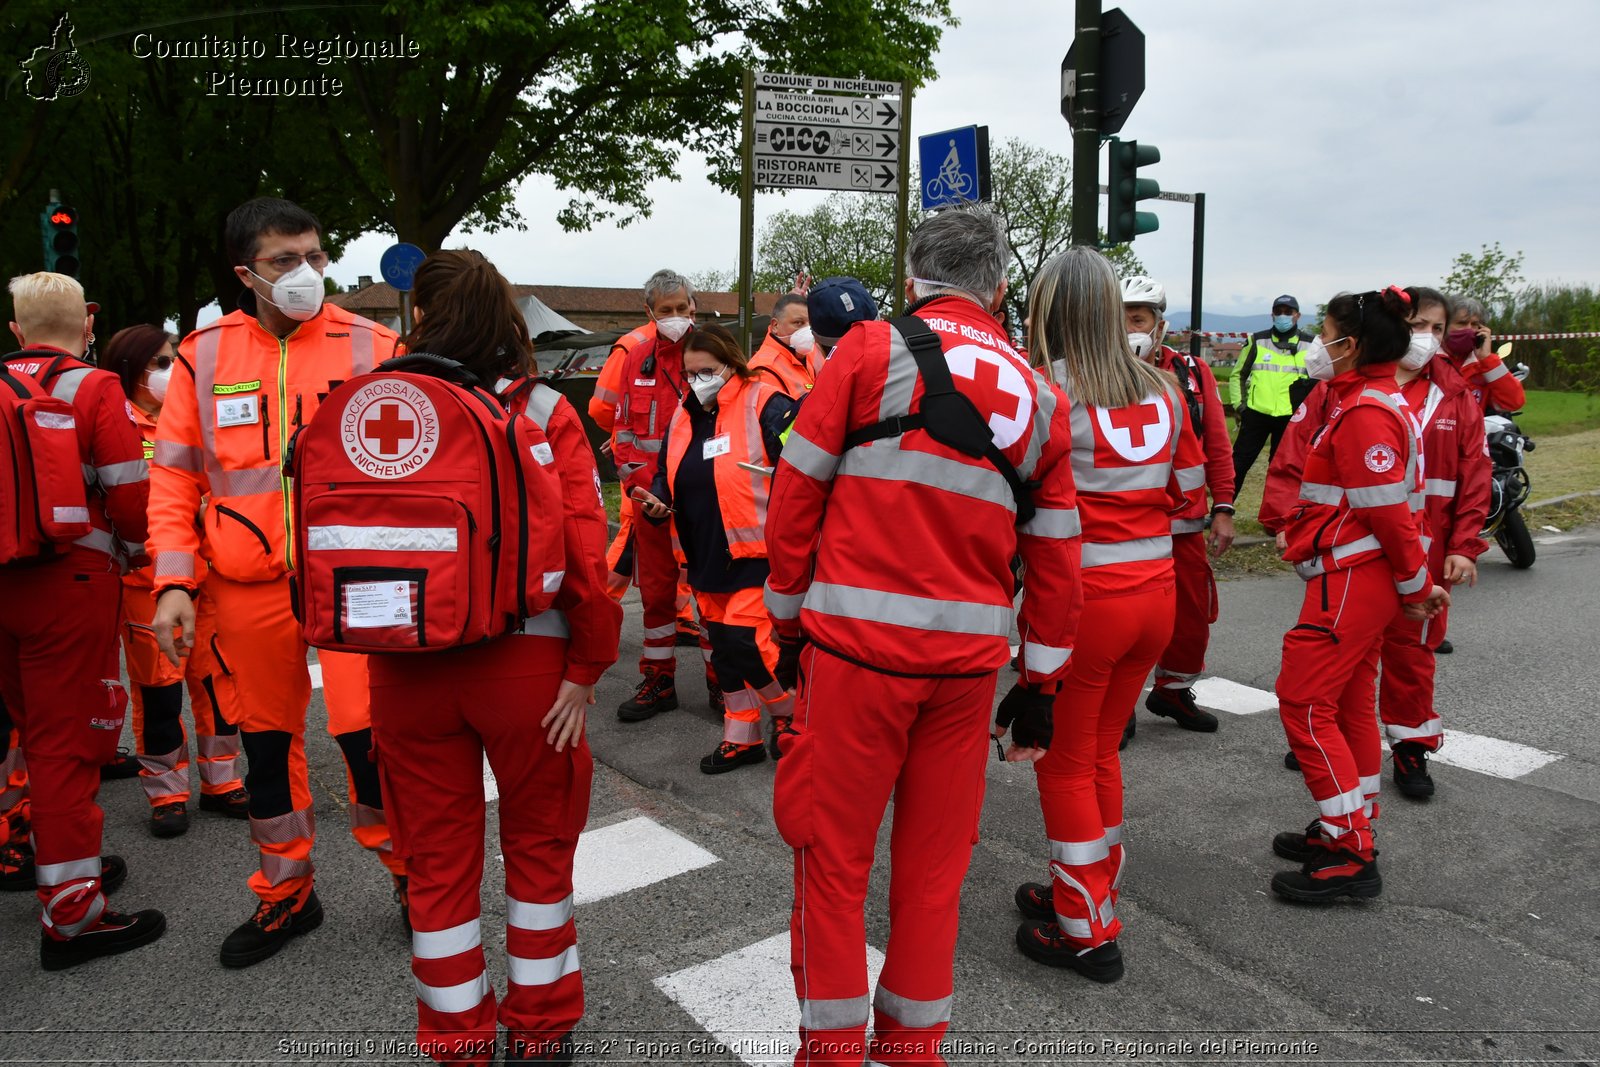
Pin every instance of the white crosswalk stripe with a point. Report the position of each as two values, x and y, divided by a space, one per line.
631 855
1219 694
1492 756
746 999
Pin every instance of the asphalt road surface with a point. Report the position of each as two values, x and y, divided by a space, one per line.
1484 947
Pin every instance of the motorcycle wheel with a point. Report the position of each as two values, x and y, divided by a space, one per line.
1515 541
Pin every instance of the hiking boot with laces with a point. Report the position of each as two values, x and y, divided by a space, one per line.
16 867
657 692
1334 873
270 928
1300 845
235 803
111 933
1044 942
1036 901
170 819
402 897
729 756
780 732
123 765
1411 775
1179 705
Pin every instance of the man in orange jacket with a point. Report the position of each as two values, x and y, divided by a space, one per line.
788 358
243 385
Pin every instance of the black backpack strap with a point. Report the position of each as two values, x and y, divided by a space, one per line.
928 351
1186 385
431 365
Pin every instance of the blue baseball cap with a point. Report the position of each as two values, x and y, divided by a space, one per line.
834 304
1286 301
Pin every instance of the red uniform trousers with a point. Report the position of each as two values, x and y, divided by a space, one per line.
619 554
435 717
655 571
1405 689
263 686
1325 696
865 735
59 679
1080 777
156 697
743 655
1180 664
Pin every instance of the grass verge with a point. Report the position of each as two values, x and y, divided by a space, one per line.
1551 414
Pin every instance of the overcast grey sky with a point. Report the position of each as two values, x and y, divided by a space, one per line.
1340 145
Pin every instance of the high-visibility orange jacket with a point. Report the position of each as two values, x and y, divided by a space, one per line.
897 554
140 580
108 447
639 389
737 438
236 397
785 368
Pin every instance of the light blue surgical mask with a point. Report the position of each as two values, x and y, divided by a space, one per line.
1283 323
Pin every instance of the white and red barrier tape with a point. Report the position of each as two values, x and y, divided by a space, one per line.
1496 338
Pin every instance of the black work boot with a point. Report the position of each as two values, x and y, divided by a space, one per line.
123 765
270 928
781 727
1300 845
1336 872
1179 705
729 756
657 692
235 803
1036 901
1291 761
1043 941
1411 775
170 819
111 933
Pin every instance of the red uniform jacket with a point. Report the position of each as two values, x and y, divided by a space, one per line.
109 447
1211 434
1489 381
593 619
1360 497
896 554
1134 468
638 391
1455 466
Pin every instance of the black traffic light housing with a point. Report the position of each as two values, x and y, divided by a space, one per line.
60 227
1125 189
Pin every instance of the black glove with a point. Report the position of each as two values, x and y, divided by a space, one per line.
1030 708
787 671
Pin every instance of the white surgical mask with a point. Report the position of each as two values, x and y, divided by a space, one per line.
803 341
297 294
156 382
1423 347
706 391
1319 364
1141 343
674 328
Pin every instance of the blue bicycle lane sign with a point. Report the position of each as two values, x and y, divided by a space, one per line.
955 167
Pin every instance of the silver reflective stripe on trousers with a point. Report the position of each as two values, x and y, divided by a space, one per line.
1431 728
52 874
914 1014
454 999
1078 928
534 972
914 612
1096 554
1079 853
843 1014
381 538
529 916
1343 804
442 944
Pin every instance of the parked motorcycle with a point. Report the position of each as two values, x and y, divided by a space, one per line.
1509 485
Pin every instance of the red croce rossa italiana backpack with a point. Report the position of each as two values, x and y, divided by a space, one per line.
43 500
426 516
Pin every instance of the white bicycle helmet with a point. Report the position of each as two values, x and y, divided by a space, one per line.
1146 291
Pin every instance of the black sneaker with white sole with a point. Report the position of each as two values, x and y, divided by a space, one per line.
111 933
1044 942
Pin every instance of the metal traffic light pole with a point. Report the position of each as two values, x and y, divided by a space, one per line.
1086 127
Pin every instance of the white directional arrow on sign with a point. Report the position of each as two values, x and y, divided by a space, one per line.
799 139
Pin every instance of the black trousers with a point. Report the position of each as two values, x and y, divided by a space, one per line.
1254 431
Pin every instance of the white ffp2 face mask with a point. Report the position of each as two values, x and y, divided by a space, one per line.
156 382
673 328
803 341
297 294
1319 364
706 391
1422 349
1142 344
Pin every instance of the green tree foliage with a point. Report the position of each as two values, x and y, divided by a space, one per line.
853 233
1491 276
1570 363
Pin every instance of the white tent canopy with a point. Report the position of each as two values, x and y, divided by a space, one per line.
540 319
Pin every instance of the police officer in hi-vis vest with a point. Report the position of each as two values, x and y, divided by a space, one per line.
1269 367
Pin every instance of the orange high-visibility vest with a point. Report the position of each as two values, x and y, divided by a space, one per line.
778 361
741 494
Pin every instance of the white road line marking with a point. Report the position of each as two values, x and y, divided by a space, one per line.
1492 756
316 674
746 999
491 788
630 855
1220 694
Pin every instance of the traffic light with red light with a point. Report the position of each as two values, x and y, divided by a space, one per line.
60 228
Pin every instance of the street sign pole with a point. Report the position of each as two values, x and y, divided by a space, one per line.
901 222
1194 280
747 214
1086 131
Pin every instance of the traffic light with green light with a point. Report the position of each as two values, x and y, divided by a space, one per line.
60 227
1125 189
